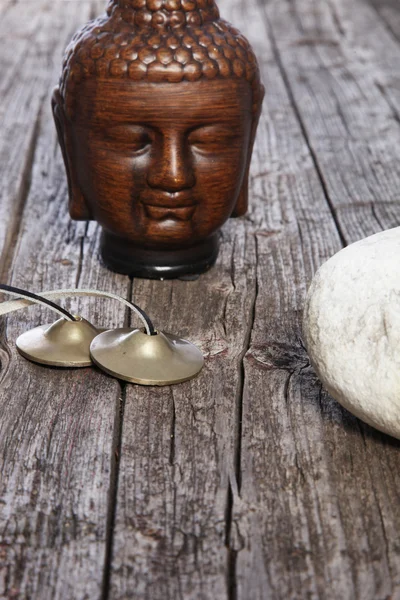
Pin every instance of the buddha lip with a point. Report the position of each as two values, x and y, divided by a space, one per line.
160 213
169 200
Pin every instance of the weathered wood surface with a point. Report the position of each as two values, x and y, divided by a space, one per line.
249 482
59 430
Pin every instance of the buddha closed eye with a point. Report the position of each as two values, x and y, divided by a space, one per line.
212 138
128 138
131 138
135 139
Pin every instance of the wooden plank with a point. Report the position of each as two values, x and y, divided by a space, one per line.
179 443
181 446
350 127
59 430
30 36
316 515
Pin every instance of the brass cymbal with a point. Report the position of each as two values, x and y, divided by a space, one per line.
61 344
134 356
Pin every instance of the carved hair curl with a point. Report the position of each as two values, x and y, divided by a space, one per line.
159 41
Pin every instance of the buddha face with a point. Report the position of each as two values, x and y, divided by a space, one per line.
162 165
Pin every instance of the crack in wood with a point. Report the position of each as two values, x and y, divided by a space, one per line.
113 492
336 20
376 5
7 256
389 101
115 468
81 255
173 426
235 491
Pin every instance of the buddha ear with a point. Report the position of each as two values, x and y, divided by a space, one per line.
78 208
242 203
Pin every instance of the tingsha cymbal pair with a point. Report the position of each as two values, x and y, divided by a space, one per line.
144 356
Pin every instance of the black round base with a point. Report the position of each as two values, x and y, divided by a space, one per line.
121 256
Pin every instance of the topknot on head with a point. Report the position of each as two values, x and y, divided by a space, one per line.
161 14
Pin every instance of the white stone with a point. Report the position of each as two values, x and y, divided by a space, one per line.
352 329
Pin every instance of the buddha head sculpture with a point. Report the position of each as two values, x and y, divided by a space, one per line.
156 114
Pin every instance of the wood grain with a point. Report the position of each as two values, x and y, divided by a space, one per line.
59 428
177 526
315 517
32 37
250 482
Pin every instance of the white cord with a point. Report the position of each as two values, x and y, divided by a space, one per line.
28 301
14 305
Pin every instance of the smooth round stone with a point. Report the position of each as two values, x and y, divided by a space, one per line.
352 329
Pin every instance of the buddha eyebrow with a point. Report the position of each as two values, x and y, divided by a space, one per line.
217 127
129 127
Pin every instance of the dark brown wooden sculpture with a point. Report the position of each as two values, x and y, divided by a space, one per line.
156 113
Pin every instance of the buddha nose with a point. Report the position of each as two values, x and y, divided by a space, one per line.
172 169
